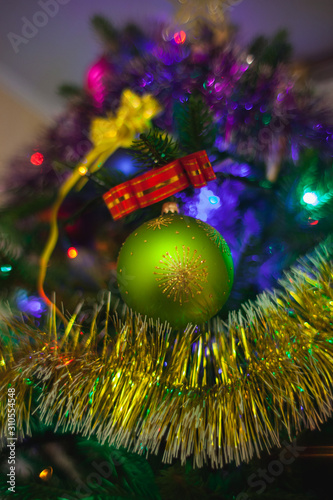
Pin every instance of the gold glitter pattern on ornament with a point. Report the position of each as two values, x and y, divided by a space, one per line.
214 236
159 222
181 275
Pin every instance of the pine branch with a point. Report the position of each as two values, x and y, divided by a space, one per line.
121 474
9 249
271 52
69 90
155 149
194 123
106 31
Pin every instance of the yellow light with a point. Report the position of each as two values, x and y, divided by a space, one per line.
112 132
135 103
46 474
83 170
148 113
72 253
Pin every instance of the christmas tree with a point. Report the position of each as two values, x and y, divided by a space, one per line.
167 265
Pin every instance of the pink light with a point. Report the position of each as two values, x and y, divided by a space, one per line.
96 78
180 37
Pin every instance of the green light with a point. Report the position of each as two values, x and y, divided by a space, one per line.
266 119
5 269
310 198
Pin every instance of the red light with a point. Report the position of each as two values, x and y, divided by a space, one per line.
180 37
313 223
72 253
37 159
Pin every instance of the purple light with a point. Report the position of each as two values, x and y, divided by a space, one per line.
31 305
147 80
294 152
234 69
210 80
206 203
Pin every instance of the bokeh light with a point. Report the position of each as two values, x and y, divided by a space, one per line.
82 170
5 269
180 37
30 304
72 253
46 474
213 200
310 198
37 158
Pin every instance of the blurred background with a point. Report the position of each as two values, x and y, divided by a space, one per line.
260 107
33 66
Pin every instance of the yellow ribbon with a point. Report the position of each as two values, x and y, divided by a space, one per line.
107 134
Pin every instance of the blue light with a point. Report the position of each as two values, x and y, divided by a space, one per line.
204 205
126 166
31 305
121 161
213 200
310 198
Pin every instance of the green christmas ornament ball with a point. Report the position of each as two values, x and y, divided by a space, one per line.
175 268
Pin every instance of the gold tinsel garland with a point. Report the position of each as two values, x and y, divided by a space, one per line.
221 393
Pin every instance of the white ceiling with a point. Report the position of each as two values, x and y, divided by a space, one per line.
62 50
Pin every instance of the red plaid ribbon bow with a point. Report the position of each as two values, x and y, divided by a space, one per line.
158 184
